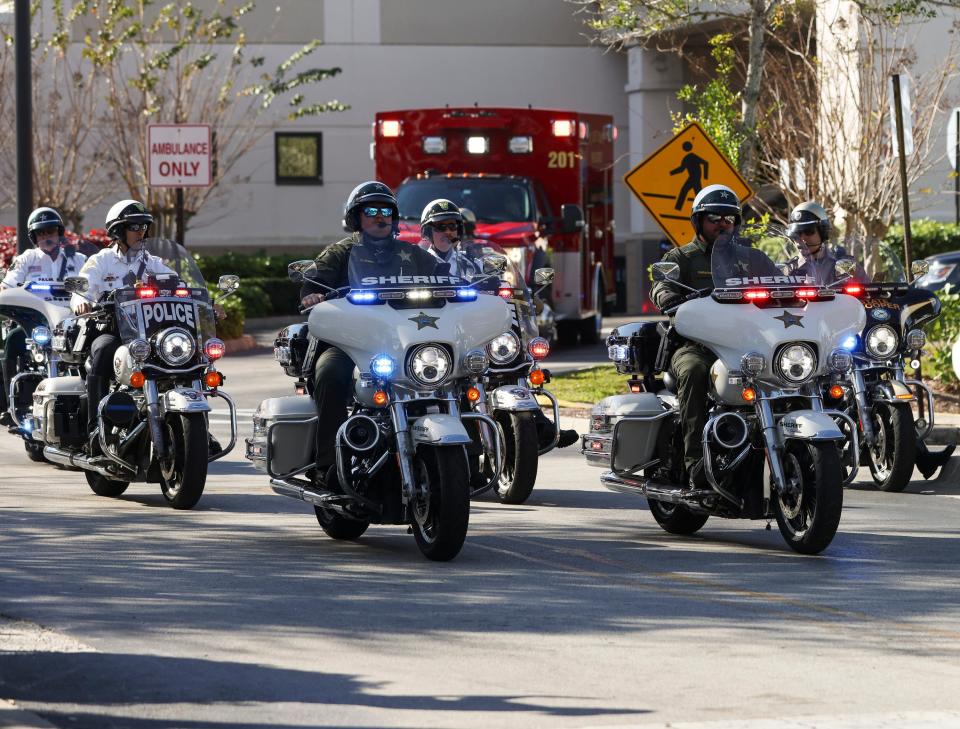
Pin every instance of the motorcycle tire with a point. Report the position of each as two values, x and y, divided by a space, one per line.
182 481
35 452
339 527
808 512
676 518
103 486
892 461
520 458
441 507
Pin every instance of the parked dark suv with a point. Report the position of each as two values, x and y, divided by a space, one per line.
944 269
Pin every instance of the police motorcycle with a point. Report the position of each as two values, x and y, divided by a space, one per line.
153 419
510 387
37 306
877 395
771 448
401 455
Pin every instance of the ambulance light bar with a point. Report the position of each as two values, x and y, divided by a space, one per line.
564 127
478 145
434 145
390 127
520 145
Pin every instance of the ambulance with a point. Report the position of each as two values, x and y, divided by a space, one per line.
540 182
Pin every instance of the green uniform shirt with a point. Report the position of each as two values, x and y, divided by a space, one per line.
694 262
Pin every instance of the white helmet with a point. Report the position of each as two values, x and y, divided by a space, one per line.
124 212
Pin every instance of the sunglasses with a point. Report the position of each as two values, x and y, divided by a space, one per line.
443 227
808 231
43 236
374 212
137 227
716 219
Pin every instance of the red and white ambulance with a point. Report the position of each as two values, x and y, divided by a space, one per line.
539 181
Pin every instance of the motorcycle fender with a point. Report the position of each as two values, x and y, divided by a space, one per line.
185 400
892 391
809 425
512 399
438 429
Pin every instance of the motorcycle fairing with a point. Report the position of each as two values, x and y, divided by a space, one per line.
809 425
439 429
513 398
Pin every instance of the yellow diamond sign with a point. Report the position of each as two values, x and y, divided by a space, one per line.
668 180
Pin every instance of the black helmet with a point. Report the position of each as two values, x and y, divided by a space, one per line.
716 199
809 215
42 218
123 213
438 211
469 222
368 193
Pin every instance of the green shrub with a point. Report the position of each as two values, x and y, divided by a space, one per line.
282 294
255 300
232 326
941 335
927 236
246 265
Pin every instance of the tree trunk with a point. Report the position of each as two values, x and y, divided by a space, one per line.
760 11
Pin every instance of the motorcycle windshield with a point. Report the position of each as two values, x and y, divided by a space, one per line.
853 261
171 293
399 267
737 264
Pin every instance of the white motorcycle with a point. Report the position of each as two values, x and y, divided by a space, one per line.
37 307
401 456
770 448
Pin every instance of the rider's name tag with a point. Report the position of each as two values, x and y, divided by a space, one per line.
169 312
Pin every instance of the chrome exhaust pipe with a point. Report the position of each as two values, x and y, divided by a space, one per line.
314 496
658 491
75 460
360 433
729 430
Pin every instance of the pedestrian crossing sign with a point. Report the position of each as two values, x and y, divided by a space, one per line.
668 180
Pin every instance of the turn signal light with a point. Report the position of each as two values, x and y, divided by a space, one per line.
748 394
380 398
473 394
214 349
539 348
906 396
137 379
536 378
213 379
836 392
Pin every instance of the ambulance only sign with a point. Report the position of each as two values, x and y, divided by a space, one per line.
179 155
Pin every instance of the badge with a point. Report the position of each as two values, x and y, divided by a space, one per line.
880 314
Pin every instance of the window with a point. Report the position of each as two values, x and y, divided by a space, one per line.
298 158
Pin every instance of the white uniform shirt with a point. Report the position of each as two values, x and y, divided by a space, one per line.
460 265
35 265
110 269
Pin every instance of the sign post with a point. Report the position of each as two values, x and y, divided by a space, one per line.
898 106
953 154
668 180
179 156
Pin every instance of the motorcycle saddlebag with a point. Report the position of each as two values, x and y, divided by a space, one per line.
62 410
636 438
291 423
290 348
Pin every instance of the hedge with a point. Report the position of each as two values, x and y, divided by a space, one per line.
232 326
928 237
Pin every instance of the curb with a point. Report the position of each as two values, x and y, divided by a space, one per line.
13 717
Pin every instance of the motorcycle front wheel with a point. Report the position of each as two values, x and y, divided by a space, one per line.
520 457
184 474
895 450
441 505
103 486
808 509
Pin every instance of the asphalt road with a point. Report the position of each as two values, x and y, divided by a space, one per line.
573 610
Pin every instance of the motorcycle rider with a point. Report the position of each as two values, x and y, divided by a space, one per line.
442 228
52 259
716 215
119 265
372 217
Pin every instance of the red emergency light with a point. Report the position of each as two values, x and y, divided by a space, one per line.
146 292
806 293
757 295
853 289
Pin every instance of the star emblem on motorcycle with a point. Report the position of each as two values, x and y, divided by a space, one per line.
405 256
790 320
424 320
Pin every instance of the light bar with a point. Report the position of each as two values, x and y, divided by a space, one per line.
853 289
564 128
390 127
145 292
758 295
478 145
362 297
38 287
434 145
520 145
806 293
182 293
418 295
466 294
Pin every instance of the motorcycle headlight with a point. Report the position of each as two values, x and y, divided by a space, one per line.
881 341
915 339
430 364
840 361
41 335
175 347
752 364
796 363
504 348
139 349
476 362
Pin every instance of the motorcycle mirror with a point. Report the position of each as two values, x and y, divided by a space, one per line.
845 267
919 268
665 271
296 270
76 284
494 263
543 276
228 283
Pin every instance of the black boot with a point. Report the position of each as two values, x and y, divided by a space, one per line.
928 462
96 390
8 368
567 438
